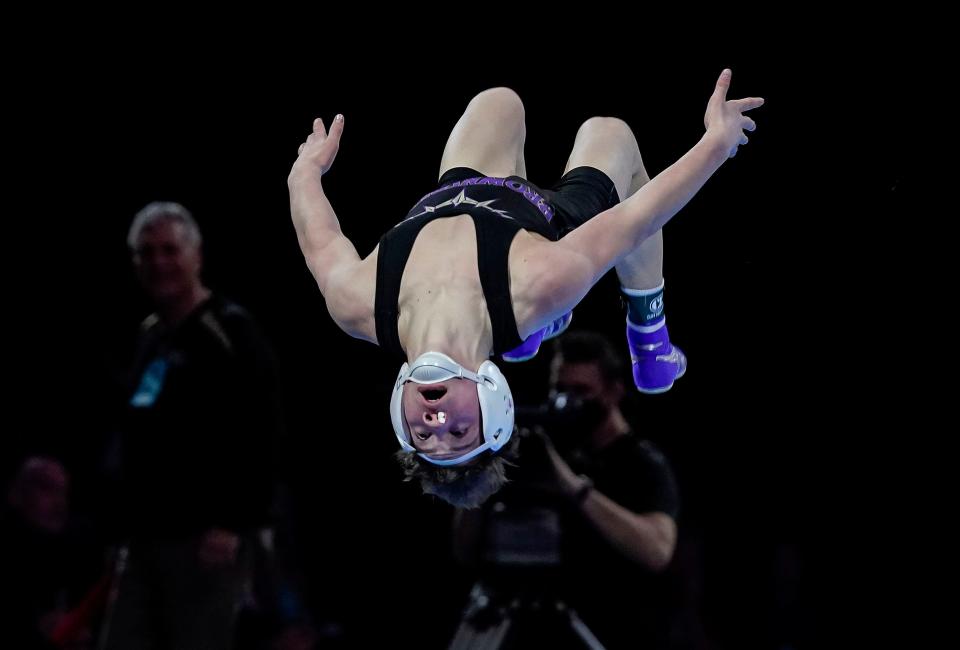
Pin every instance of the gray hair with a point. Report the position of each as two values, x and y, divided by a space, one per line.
163 211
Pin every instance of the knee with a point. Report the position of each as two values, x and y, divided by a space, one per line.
606 127
504 101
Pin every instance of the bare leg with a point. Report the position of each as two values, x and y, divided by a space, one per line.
489 136
608 144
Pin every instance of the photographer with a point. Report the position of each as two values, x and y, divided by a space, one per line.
588 518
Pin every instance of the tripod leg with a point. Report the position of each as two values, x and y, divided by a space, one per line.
469 638
581 629
119 568
483 626
464 638
497 635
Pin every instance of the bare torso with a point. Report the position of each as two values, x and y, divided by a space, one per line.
441 300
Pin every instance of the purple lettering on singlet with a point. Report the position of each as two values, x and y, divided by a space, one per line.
520 188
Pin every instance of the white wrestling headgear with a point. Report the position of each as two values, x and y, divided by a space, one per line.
496 401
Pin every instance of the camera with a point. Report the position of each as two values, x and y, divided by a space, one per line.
519 597
564 418
562 415
522 522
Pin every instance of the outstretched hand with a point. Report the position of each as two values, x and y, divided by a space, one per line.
321 147
725 118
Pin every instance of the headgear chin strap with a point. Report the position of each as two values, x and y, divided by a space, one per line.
496 401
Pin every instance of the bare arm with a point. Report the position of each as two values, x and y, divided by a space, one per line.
648 539
581 258
330 256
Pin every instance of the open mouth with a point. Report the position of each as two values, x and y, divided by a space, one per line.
433 394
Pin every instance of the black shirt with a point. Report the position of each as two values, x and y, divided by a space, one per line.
202 421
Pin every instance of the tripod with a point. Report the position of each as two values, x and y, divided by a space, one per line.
491 622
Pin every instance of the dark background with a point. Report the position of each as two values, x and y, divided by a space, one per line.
771 275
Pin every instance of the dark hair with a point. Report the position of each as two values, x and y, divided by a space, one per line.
462 486
589 347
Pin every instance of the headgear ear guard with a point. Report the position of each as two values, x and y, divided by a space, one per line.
496 401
